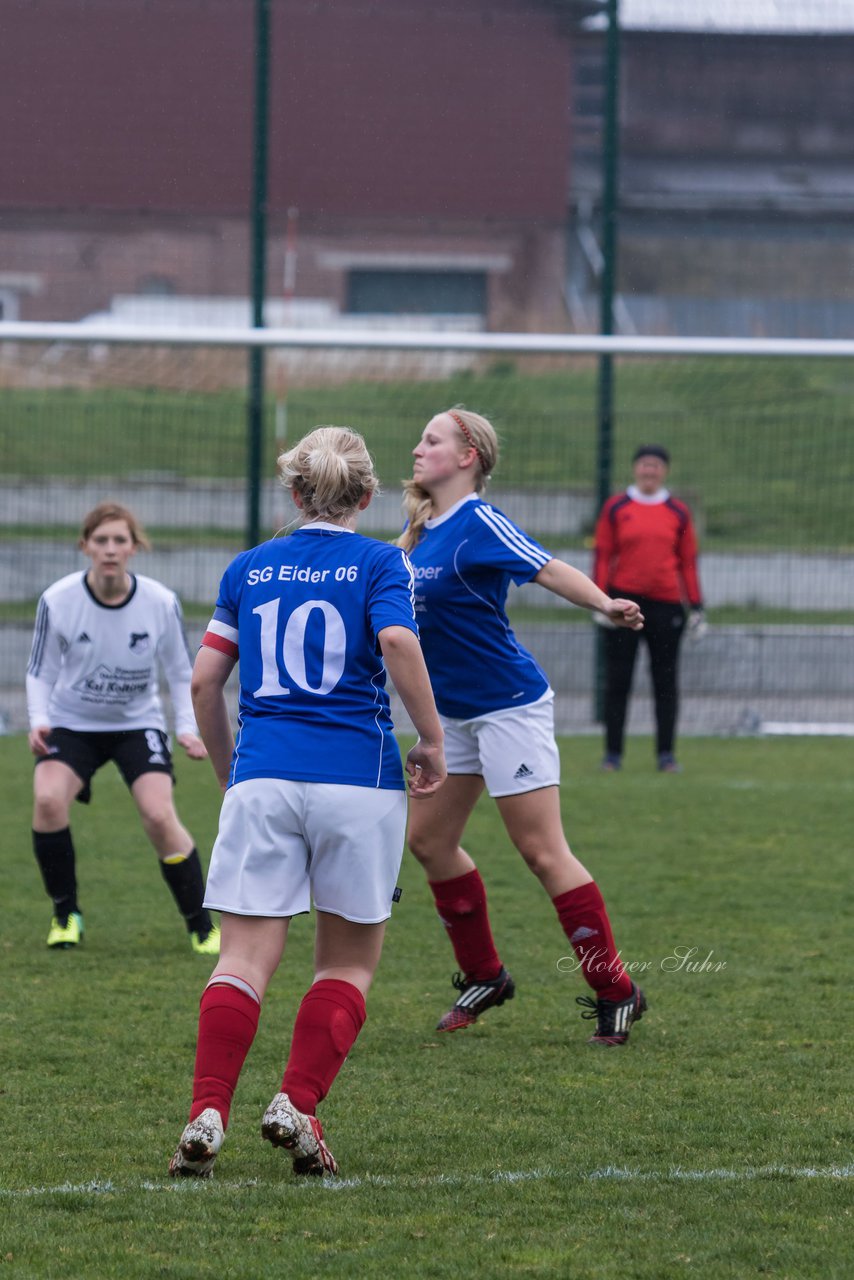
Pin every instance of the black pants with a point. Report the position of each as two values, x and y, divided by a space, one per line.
662 630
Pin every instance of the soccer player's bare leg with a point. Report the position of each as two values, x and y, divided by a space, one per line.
152 794
534 825
252 948
54 787
347 952
437 823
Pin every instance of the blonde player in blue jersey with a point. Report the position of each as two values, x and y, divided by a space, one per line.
497 712
315 798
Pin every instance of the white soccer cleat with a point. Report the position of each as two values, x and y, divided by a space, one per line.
199 1147
300 1134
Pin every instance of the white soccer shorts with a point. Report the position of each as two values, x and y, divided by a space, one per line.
514 750
282 843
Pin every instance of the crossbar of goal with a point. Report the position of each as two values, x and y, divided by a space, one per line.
383 339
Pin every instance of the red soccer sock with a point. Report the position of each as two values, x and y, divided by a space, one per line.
329 1019
228 1020
584 918
461 904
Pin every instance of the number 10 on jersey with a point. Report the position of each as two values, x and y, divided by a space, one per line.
328 661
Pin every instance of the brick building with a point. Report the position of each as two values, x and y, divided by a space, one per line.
736 169
421 145
440 159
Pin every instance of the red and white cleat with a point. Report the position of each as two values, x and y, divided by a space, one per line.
301 1135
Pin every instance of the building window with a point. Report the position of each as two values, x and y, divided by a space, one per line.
156 286
404 292
9 309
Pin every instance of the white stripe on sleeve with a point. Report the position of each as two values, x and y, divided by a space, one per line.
512 538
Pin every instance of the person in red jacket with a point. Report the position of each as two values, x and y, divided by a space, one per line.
646 550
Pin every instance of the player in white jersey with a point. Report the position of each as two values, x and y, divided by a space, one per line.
315 798
497 711
93 695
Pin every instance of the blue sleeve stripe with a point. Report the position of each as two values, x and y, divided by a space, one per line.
513 538
225 615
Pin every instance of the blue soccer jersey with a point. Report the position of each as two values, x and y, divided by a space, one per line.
303 614
464 563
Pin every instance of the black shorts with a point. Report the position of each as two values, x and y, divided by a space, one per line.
135 751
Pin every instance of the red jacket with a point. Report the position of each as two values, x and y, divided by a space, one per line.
647 549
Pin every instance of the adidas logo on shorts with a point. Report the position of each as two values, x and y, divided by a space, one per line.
523 772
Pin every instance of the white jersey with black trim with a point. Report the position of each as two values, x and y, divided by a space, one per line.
94 667
464 562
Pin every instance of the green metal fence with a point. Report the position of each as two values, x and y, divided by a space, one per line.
762 447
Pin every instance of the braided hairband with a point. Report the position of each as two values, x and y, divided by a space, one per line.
469 438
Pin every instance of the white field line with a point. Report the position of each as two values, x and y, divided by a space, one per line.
611 1173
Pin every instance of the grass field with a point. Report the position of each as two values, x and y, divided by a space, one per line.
718 1144
762 448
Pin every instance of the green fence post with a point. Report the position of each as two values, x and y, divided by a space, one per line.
610 209
255 407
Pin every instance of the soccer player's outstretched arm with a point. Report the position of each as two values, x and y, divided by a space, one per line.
425 763
573 585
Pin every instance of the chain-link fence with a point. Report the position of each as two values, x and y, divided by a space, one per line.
391 201
762 448
395 204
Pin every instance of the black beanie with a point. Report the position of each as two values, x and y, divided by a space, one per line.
652 451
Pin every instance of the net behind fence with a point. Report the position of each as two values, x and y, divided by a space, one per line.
762 450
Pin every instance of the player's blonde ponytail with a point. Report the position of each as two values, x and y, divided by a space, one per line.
331 470
417 507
